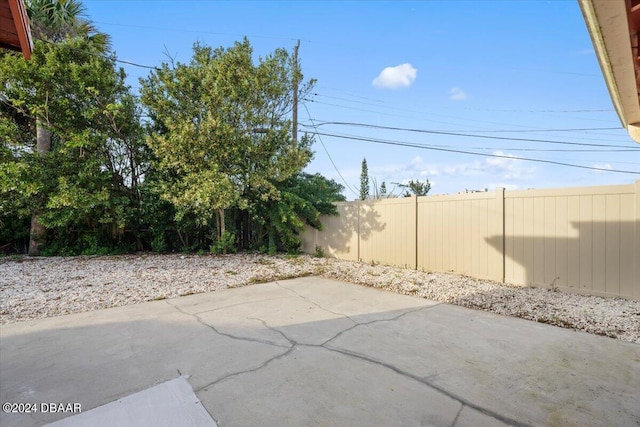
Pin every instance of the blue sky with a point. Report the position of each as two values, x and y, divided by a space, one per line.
507 69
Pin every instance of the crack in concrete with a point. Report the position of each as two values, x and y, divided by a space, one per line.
435 387
392 319
315 303
247 371
463 402
344 352
256 340
271 328
455 420
224 334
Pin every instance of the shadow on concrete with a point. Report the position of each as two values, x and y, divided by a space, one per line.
324 357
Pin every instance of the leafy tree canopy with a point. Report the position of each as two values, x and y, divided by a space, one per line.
415 188
222 131
86 178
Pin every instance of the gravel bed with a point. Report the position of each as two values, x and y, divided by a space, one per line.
33 288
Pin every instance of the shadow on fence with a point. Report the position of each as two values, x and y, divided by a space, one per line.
597 258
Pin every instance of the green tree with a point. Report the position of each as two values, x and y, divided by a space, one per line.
84 184
415 188
57 20
54 21
364 180
303 199
222 134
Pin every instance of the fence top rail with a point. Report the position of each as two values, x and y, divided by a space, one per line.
484 195
573 191
391 201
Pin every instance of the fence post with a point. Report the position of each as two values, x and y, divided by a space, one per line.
358 230
415 213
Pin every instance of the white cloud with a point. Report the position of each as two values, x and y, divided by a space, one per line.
505 185
450 178
585 52
601 166
507 167
457 94
394 77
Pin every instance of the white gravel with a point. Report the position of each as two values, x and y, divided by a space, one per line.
33 288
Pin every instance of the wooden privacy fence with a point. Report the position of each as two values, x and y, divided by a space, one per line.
585 240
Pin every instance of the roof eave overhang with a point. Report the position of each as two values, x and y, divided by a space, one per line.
21 26
609 24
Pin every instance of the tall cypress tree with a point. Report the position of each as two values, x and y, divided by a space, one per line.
364 181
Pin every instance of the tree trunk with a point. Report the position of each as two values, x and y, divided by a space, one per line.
221 226
38 233
37 236
43 139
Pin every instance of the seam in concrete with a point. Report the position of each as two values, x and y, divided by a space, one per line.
224 334
315 303
435 387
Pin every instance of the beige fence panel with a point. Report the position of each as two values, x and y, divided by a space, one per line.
461 234
581 239
339 235
388 232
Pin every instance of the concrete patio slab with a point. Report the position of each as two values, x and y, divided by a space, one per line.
314 351
170 403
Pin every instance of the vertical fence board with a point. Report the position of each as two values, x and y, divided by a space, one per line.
599 260
561 241
549 233
573 241
388 232
585 228
538 242
612 244
628 259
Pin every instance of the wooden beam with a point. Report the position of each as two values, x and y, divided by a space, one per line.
21 22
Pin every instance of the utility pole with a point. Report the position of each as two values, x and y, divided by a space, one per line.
296 74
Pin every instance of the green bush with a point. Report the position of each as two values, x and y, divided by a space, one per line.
226 244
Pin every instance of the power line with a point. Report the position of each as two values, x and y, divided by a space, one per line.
506 110
422 113
571 150
109 57
377 104
519 130
184 30
422 118
138 65
353 94
554 150
329 155
502 138
426 147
